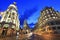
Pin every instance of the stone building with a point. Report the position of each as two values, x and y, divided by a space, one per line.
9 21
49 21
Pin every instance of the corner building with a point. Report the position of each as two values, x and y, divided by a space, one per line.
49 21
10 19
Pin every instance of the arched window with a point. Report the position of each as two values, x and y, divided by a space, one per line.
6 25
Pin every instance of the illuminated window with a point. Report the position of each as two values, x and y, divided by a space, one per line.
14 21
43 11
45 16
6 25
8 20
48 15
47 11
13 26
50 9
52 14
54 17
46 19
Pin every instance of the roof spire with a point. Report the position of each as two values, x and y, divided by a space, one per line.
14 3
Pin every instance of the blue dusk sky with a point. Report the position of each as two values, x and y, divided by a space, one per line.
30 9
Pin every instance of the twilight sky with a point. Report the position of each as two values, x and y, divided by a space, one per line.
30 9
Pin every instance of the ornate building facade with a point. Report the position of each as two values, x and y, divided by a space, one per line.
10 18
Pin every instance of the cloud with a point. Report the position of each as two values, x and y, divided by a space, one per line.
27 14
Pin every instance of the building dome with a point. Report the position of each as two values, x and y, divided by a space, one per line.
13 6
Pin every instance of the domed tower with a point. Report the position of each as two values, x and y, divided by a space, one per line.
49 21
14 15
